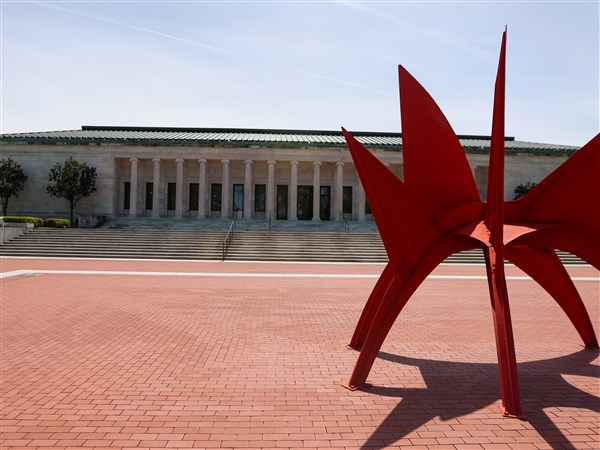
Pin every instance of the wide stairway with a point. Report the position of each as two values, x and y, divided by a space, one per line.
326 243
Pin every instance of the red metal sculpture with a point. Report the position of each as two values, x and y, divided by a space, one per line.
437 211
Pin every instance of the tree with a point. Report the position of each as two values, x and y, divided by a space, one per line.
523 189
12 180
73 180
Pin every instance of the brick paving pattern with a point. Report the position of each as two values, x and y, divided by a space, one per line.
131 361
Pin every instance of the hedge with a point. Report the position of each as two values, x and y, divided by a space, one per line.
57 223
36 221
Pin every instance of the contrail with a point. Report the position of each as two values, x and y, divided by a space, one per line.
212 48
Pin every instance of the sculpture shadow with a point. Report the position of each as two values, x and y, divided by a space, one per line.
459 389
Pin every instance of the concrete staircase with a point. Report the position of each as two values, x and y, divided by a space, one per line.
106 243
191 240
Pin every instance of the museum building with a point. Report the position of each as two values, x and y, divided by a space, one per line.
224 172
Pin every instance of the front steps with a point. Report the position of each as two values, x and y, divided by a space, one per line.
107 243
195 244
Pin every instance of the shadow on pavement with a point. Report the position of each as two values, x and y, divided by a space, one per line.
458 389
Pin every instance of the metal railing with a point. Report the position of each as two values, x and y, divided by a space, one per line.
229 237
344 222
270 221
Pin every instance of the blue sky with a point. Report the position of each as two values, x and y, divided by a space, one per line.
304 65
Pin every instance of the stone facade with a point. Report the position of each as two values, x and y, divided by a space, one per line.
287 182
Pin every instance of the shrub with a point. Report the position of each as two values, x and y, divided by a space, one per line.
57 223
12 180
523 189
36 221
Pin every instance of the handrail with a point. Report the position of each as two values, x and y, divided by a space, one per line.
345 222
229 237
269 220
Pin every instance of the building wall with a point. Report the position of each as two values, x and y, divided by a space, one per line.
114 170
37 161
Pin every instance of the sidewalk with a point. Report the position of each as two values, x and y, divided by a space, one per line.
194 359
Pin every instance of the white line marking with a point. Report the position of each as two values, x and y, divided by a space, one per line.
14 273
213 261
254 275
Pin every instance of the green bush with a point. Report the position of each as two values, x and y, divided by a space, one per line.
36 221
57 223
523 189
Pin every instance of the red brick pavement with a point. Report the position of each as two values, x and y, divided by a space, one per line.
130 361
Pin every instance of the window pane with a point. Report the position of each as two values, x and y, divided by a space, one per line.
347 201
215 197
260 195
305 202
149 193
126 194
171 192
238 197
193 206
282 202
325 204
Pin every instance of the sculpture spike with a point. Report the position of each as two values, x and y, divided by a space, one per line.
494 211
390 202
427 136
565 196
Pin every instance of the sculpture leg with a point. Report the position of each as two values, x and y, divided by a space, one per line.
505 346
548 271
394 299
370 309
394 296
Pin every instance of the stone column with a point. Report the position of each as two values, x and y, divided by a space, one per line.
179 188
202 189
225 190
156 188
339 189
293 211
133 187
361 202
248 190
270 212
316 190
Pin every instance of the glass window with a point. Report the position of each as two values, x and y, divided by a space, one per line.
171 194
347 200
282 202
149 193
126 194
238 197
215 197
305 202
260 195
325 203
193 203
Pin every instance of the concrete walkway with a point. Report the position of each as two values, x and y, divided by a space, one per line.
148 354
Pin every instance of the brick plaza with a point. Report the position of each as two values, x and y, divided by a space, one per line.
148 354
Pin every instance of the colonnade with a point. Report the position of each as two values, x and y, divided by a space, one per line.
249 178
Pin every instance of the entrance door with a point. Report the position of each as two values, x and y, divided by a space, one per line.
282 202
325 203
238 200
305 202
